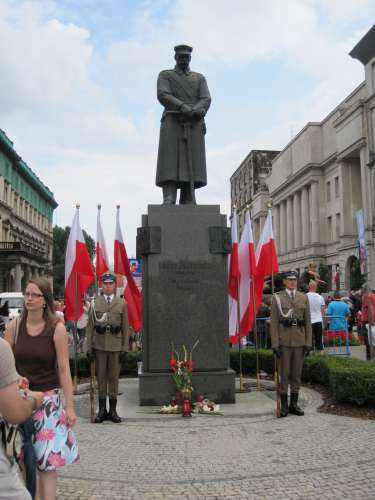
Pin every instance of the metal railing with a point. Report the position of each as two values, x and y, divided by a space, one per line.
339 338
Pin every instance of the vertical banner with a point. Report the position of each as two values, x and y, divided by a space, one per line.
361 240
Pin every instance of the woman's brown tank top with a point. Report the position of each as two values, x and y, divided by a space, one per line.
36 358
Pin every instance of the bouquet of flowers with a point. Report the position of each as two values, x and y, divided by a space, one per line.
181 364
204 405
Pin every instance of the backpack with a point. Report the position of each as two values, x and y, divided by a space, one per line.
10 435
11 440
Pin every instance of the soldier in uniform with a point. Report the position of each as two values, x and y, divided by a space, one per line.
181 155
107 341
290 339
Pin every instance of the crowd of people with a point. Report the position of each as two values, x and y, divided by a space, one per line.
36 392
330 313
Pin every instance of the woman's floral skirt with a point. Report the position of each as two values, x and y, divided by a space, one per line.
55 444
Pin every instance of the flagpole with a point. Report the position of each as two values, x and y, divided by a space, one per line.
276 363
255 326
75 335
75 378
239 324
239 337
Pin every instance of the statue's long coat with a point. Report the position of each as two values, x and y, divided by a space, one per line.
175 88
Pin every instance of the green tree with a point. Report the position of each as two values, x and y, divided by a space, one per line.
60 240
357 279
324 276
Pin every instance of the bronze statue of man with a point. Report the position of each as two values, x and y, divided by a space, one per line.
181 155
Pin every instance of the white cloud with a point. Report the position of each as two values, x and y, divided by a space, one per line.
75 131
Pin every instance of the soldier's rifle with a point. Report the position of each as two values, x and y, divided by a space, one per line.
92 390
277 387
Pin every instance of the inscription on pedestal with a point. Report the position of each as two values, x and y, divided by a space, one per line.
183 276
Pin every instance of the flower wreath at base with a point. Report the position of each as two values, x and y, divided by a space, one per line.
202 407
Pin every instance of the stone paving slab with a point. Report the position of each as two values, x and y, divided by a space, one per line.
248 453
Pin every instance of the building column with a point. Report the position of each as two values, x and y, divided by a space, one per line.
305 223
17 278
282 227
9 200
314 212
289 224
276 217
297 220
28 274
2 188
261 224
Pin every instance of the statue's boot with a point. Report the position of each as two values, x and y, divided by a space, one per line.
284 405
112 415
186 196
169 193
294 408
102 413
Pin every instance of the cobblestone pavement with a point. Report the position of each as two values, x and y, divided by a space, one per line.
253 456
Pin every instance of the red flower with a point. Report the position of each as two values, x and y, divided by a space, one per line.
172 362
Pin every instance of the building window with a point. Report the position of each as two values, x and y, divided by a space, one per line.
328 191
338 229
337 187
6 188
329 229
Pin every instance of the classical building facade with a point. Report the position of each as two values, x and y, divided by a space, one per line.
249 187
26 209
321 179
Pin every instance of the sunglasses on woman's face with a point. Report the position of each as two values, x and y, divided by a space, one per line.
32 295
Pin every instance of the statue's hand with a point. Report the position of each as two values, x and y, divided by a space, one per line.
199 113
186 110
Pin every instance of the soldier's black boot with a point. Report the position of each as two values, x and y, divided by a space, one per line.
284 405
112 415
102 413
294 408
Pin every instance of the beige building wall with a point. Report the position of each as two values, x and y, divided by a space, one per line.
321 178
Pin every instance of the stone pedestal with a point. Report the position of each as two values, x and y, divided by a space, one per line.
184 250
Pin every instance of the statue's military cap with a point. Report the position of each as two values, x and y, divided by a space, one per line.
108 278
183 49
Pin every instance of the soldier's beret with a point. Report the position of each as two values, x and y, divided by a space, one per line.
290 275
108 278
183 49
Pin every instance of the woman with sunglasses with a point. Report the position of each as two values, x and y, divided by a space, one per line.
40 345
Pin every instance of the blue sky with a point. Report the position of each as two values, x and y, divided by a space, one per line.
78 88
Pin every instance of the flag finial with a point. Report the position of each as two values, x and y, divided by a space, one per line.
99 206
78 206
270 204
118 207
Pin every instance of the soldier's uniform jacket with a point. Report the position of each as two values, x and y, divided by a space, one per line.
112 334
174 89
297 335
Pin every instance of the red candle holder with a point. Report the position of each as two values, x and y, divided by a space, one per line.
186 408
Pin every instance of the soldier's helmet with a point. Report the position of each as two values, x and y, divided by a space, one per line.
108 278
183 49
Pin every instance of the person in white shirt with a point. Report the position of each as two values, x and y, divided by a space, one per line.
317 307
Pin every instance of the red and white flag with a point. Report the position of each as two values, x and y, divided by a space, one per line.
266 258
132 294
233 283
79 271
247 268
101 250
